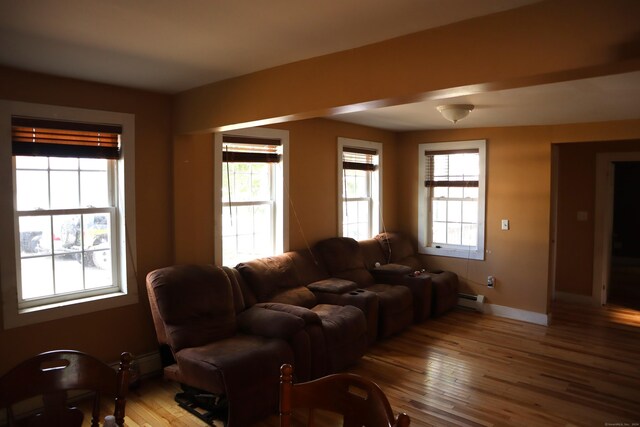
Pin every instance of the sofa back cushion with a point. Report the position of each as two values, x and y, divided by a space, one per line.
308 266
400 249
343 258
274 279
372 253
195 303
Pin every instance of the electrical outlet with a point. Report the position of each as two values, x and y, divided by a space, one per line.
491 281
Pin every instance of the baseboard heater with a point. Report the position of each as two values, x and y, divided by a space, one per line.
471 302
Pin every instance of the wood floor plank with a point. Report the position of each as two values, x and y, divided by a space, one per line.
469 369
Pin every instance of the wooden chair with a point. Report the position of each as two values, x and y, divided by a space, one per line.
359 400
52 374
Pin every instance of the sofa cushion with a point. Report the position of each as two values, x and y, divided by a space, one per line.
343 258
308 266
396 246
333 285
269 276
300 296
195 303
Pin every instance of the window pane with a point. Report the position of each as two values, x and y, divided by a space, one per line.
439 234
35 235
454 234
260 181
470 211
33 190
65 163
439 210
67 233
455 192
469 234
94 164
356 183
439 192
68 273
64 190
97 231
471 192
97 268
37 277
94 189
30 162
454 211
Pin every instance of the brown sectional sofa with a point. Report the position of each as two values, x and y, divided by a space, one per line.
229 330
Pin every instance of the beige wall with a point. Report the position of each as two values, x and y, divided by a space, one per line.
519 189
313 149
106 334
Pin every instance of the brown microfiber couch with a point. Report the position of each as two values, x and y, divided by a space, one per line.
229 329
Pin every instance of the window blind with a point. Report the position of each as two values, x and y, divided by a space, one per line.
446 169
51 138
358 159
243 149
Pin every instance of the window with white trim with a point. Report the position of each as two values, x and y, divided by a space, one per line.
359 177
252 209
452 199
69 252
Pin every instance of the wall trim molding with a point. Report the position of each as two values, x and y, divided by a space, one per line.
517 314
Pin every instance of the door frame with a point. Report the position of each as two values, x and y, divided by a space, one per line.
603 221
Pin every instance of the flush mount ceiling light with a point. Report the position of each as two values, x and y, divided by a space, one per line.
455 112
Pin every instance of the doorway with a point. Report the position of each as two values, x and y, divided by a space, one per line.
624 280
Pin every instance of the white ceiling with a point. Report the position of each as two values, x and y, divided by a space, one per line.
169 46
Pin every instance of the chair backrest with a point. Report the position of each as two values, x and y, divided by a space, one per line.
52 374
360 401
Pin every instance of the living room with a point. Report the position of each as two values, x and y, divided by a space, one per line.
538 44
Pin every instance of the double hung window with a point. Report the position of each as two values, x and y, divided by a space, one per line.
359 180
452 199
68 216
251 205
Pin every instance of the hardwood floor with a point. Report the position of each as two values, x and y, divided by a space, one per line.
470 369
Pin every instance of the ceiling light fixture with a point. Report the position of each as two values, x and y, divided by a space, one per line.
455 112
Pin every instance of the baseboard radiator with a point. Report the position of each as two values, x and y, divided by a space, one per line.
471 302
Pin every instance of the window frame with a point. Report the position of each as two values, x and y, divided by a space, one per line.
16 315
424 205
280 172
374 184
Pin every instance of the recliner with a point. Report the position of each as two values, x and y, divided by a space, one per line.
218 345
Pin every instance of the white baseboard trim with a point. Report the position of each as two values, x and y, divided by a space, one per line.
517 314
575 298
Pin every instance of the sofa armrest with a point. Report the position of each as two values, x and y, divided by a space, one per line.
269 323
333 285
308 316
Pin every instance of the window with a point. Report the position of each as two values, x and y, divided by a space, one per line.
251 208
359 177
69 254
452 199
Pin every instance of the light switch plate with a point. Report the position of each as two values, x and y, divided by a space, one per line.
505 224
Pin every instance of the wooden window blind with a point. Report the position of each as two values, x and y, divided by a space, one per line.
51 138
358 159
243 149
